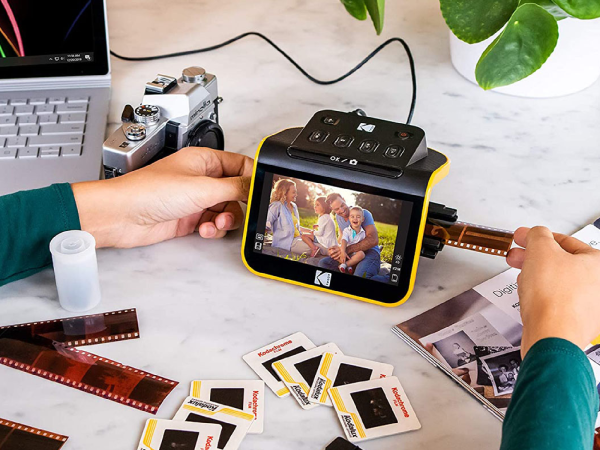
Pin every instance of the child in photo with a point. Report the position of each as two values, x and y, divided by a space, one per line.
352 234
323 235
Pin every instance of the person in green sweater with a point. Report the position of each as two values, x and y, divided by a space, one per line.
193 189
555 400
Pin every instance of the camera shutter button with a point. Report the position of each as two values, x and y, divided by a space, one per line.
193 74
135 132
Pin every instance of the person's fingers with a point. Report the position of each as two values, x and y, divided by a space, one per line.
537 234
208 230
187 225
215 163
571 244
520 236
231 218
515 257
208 192
540 240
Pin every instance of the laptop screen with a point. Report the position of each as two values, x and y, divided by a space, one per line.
49 39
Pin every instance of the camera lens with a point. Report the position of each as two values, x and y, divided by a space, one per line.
206 134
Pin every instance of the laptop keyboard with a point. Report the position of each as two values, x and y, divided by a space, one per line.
42 127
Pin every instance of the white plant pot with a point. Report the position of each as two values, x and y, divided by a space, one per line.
573 66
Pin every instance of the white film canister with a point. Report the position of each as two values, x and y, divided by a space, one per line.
76 270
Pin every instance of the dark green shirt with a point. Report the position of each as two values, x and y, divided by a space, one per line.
28 222
555 401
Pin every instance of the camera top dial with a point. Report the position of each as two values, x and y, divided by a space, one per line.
146 114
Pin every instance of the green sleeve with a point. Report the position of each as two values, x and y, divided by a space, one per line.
555 401
28 221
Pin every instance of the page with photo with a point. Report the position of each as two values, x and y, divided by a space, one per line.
475 337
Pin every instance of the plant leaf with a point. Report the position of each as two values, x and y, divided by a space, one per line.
582 9
525 44
376 10
550 6
356 8
476 20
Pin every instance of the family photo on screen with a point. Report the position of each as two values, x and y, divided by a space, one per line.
333 228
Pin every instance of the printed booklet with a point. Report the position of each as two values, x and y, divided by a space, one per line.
475 337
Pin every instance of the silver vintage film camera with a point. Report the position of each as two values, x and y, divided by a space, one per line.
174 113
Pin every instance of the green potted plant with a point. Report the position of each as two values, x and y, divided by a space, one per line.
535 48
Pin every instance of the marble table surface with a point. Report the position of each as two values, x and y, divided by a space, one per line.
515 162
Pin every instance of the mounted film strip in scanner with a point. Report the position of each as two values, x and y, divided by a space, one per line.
46 349
343 203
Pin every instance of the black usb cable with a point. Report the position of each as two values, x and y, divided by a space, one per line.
294 63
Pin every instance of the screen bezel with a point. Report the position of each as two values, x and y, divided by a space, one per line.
99 66
352 286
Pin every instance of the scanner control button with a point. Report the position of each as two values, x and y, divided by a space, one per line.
318 136
404 135
393 151
343 141
329 120
368 146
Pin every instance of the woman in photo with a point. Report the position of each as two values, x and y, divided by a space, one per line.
323 234
283 219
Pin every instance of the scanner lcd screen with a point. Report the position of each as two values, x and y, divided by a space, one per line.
305 222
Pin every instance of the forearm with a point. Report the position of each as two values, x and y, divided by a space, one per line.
28 222
555 402
99 210
364 245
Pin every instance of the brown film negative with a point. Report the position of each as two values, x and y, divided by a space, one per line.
472 237
57 361
15 435
84 330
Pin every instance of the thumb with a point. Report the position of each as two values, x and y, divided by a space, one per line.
212 191
571 244
540 240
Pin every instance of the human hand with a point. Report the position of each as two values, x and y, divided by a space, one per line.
559 287
334 252
193 189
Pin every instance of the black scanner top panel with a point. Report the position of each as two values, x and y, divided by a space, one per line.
360 141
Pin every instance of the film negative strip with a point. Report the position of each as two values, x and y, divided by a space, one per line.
15 435
85 330
471 237
56 359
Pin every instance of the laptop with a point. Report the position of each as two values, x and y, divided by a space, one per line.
54 92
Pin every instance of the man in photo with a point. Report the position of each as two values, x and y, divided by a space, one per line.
514 367
462 356
371 263
456 349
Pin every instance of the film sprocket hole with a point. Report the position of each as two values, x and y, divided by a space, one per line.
352 189
174 113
